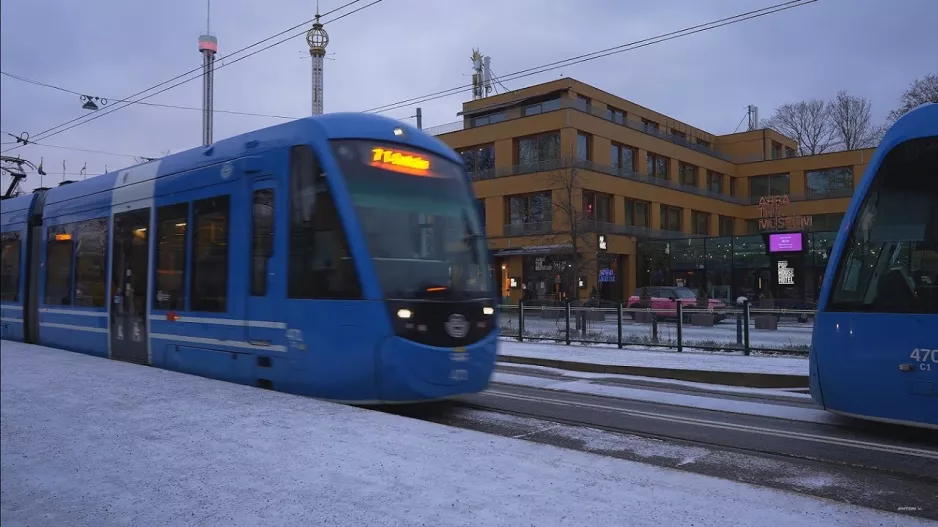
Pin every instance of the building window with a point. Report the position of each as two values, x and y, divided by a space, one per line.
657 165
726 225
208 289
539 148
320 263
679 134
650 126
90 262
10 250
615 115
542 107
827 222
703 143
623 157
714 182
481 202
776 150
671 218
818 183
597 206
636 213
529 208
752 227
583 146
789 151
732 185
478 158
488 119
582 103
262 239
687 173
701 221
771 185
170 274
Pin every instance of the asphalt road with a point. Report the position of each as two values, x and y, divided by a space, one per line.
880 466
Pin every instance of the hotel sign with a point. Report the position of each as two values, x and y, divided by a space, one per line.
772 215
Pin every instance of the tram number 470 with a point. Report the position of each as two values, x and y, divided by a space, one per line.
924 357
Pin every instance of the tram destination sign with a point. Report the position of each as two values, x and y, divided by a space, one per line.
772 215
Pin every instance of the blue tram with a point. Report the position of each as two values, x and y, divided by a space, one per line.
341 257
874 352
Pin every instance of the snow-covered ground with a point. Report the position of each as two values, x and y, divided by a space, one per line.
789 335
687 360
88 441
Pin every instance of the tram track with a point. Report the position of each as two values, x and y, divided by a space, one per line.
807 458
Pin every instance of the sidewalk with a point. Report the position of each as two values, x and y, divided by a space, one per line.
752 371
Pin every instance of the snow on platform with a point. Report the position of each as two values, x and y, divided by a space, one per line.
88 441
687 360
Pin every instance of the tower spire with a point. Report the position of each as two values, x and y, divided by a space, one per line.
318 39
208 46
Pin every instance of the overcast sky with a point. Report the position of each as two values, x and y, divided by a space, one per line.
399 49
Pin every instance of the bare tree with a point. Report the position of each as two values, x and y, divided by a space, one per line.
568 179
921 91
807 122
852 123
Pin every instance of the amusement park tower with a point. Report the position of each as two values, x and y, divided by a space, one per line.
318 39
208 46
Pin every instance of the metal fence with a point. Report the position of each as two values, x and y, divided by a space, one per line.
744 329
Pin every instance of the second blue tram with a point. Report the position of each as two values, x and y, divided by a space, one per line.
874 351
341 257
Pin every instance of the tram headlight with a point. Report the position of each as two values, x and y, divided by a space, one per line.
488 310
404 313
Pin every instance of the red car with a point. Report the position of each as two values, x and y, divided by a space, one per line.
664 299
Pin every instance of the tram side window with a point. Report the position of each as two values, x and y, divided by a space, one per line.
320 264
10 247
262 239
59 249
209 288
890 261
170 280
90 262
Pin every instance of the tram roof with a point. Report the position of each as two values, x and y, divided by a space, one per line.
331 126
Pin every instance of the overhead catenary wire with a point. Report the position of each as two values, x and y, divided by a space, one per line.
536 69
160 105
45 133
601 53
74 149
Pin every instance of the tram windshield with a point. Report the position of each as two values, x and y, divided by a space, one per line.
890 262
422 226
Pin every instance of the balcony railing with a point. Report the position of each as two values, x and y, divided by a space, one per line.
534 227
564 104
625 173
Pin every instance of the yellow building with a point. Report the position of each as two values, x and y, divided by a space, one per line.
643 198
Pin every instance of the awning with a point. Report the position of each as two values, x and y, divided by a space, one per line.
535 250
511 103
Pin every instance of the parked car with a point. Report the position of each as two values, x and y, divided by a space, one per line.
663 301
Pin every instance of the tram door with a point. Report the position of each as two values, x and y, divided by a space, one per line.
130 268
261 306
